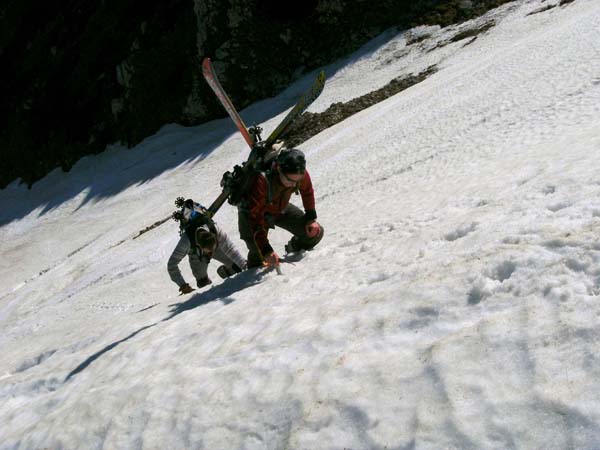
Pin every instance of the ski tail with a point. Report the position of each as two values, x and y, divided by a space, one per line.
211 78
304 102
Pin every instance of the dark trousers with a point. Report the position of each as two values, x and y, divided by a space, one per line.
291 219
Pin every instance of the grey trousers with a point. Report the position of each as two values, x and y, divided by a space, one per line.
291 219
199 264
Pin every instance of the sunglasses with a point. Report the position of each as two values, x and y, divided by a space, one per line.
291 178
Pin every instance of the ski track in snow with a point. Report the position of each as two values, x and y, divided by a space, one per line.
452 304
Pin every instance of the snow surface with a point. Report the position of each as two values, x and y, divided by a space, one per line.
453 303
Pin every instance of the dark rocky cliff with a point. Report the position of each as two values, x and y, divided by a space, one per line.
80 75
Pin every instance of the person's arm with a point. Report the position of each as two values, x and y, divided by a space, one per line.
308 198
180 252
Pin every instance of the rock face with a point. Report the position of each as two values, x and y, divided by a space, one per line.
78 76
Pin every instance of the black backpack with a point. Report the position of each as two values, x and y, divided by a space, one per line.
238 181
192 215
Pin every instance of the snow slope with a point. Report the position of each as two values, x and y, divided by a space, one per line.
453 303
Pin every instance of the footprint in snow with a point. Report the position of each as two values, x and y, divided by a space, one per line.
558 206
425 311
490 282
378 278
503 271
460 232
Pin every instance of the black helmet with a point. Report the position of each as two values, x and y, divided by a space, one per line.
291 161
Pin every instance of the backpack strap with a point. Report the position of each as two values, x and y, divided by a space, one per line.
268 174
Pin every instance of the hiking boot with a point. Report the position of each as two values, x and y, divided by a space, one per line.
203 282
293 245
225 272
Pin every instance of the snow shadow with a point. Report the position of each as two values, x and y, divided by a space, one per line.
84 365
36 361
115 170
222 292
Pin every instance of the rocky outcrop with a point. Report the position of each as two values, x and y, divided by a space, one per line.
81 75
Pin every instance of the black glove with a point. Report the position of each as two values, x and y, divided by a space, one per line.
310 215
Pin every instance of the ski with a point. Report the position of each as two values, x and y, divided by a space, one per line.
304 102
211 78
222 198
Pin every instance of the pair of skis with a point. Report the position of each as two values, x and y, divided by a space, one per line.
252 135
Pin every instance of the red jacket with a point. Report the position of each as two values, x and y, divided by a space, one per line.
259 205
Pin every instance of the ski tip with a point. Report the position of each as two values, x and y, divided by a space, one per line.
206 65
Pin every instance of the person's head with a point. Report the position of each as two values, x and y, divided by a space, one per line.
291 165
206 241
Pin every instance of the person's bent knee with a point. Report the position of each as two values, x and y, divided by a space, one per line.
312 242
320 235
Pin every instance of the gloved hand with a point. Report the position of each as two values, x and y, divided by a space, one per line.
272 260
312 229
185 289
